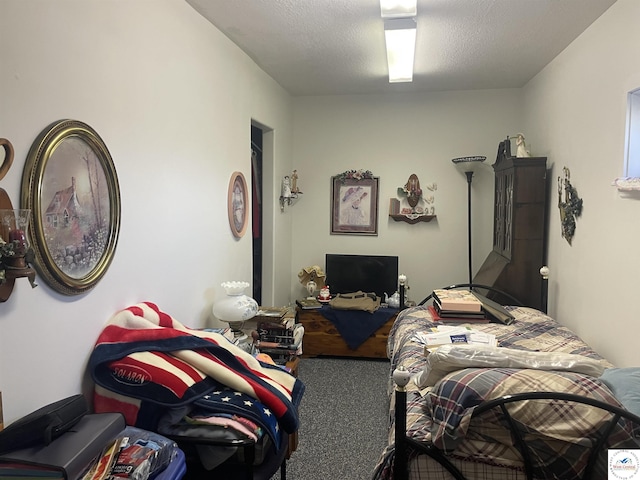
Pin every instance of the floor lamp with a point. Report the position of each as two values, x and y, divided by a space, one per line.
468 165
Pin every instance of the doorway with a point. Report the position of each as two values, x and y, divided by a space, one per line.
256 211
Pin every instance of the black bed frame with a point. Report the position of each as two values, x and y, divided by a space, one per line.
404 444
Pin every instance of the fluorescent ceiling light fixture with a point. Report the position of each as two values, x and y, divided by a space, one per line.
398 8
400 37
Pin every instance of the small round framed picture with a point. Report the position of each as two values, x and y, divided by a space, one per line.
237 204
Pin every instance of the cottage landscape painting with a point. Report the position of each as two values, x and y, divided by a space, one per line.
75 208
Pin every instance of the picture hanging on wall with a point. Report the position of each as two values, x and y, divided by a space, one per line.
237 204
70 185
354 203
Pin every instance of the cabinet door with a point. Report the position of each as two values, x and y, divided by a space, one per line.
503 214
507 247
498 214
519 229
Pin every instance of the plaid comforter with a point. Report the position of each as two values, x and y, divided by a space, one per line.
441 414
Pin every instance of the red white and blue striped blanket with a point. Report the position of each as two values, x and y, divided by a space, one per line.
145 357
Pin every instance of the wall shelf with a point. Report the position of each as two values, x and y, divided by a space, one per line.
411 206
412 219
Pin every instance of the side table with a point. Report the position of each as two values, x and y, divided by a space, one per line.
293 438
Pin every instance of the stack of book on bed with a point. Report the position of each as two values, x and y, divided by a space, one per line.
457 306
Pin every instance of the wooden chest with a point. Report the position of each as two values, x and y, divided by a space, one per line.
322 338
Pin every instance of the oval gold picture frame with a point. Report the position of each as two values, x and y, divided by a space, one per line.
237 204
70 185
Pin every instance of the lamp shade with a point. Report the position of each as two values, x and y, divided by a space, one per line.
468 164
312 273
236 306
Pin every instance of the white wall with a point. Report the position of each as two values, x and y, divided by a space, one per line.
395 136
575 114
173 100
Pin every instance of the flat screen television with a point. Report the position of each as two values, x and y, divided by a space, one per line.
369 273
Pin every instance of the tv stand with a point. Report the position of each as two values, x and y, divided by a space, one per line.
322 338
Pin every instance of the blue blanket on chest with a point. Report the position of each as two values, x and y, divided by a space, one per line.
356 326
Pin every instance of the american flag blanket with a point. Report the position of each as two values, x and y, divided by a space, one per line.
145 359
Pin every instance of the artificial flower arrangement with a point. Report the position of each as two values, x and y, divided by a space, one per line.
6 250
354 175
16 256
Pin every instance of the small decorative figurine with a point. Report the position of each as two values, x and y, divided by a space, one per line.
411 202
325 294
286 187
294 183
521 147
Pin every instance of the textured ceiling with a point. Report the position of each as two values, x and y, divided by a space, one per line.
333 47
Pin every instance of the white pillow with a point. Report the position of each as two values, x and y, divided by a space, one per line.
449 358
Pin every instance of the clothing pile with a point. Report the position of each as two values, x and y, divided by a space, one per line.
368 302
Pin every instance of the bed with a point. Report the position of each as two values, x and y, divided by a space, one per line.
546 407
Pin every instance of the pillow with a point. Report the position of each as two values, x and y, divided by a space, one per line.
449 358
625 385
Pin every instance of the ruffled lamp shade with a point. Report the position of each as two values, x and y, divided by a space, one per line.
312 278
235 308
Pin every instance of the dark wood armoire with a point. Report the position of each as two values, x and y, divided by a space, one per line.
520 206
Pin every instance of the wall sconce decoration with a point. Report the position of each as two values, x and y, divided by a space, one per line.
15 252
290 190
570 208
414 204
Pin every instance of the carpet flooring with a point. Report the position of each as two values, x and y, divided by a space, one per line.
343 419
